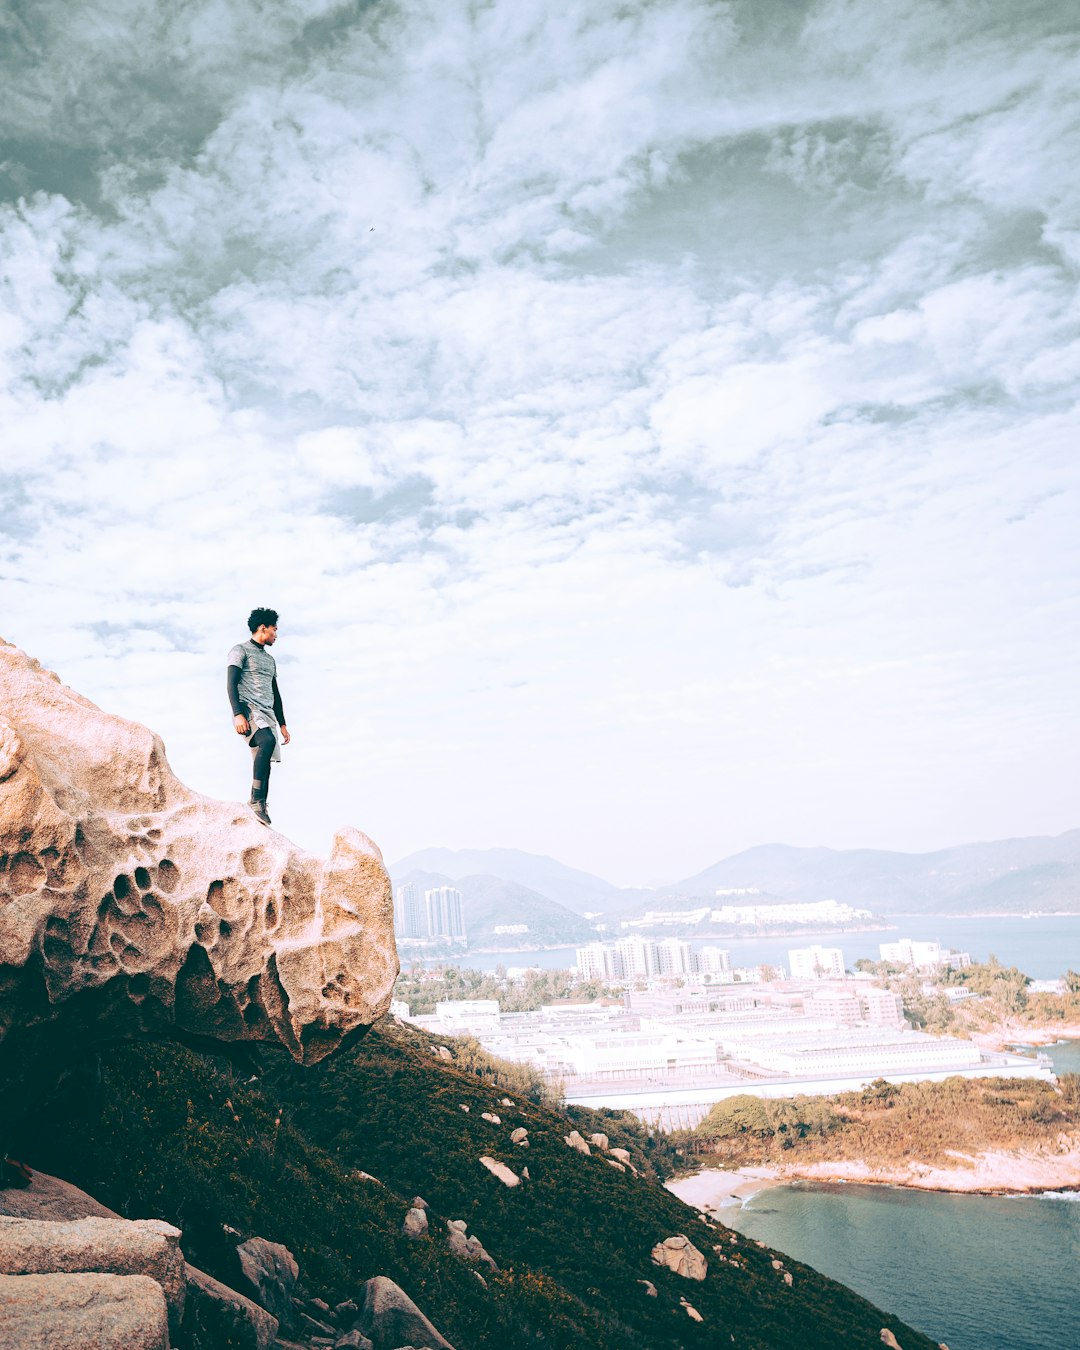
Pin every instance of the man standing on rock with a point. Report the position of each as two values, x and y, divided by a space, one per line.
251 677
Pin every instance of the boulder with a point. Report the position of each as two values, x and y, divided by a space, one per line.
691 1311
90 1311
391 1319
491 1116
520 1136
270 1272
214 1314
217 1316
650 1288
415 1224
131 904
574 1140
599 1141
466 1248
622 1154
887 1338
680 1255
500 1170
97 1246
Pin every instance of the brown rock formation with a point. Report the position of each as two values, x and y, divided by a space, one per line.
129 903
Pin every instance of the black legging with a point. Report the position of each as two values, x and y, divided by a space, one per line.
262 747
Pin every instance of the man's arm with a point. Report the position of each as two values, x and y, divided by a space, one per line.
239 711
279 713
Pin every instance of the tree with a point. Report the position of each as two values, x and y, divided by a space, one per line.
744 1114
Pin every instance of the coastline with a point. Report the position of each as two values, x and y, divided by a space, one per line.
1007 1034
995 1172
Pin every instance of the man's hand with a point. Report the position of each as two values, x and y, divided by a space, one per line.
285 737
240 722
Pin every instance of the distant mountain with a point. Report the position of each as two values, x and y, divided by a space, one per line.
489 902
1039 873
579 891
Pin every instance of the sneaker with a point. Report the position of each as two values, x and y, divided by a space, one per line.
258 810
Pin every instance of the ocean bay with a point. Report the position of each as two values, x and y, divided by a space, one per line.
976 1272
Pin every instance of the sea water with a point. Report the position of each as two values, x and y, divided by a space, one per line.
977 1272
1042 947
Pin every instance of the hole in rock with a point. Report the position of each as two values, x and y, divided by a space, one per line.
226 928
168 875
253 1015
214 893
25 874
139 985
142 878
271 913
256 861
55 949
121 886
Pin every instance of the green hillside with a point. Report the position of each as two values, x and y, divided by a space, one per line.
165 1131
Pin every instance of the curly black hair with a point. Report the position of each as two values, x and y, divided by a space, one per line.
262 616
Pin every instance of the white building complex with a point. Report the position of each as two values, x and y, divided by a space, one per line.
922 955
816 963
668 1051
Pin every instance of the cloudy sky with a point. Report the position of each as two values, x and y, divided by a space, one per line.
656 422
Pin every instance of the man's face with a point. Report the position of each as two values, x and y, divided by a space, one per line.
265 635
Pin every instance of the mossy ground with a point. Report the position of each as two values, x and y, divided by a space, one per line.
165 1131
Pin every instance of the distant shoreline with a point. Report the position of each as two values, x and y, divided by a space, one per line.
1016 1033
996 1172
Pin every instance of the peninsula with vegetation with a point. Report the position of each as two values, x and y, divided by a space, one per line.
986 1136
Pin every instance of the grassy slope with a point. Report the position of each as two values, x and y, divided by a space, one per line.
172 1133
891 1123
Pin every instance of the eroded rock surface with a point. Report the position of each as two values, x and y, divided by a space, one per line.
129 903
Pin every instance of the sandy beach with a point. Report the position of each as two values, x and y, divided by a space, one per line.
996 1172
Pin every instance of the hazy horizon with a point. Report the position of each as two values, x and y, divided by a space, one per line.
654 420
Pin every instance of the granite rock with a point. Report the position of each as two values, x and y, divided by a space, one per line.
131 904
90 1311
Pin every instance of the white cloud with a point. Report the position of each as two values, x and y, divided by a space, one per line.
658 426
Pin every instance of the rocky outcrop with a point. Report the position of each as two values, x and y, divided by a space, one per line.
213 1314
93 1312
97 1246
680 1255
129 903
391 1319
575 1141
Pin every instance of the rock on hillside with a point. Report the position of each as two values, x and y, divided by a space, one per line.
129 903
